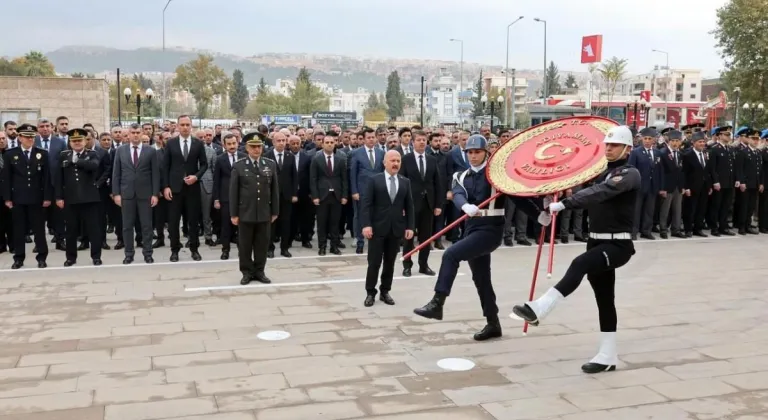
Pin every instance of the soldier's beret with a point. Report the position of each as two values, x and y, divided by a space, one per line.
27 130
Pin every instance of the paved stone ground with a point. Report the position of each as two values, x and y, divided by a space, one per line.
130 343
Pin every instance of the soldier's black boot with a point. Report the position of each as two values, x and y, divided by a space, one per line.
491 330
433 309
606 358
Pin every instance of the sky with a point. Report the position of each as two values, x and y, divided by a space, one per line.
383 28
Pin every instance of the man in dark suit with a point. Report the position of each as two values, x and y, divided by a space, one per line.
366 161
428 195
329 187
288 179
647 159
103 183
135 188
53 145
405 135
698 186
254 205
76 193
725 180
6 222
457 161
672 160
184 163
387 217
753 181
27 191
221 177
303 212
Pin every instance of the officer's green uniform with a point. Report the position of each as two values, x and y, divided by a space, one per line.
254 198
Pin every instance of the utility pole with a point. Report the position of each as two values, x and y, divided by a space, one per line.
422 101
512 101
119 107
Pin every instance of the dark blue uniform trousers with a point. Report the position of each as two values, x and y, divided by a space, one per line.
475 248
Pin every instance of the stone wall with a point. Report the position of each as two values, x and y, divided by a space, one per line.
81 100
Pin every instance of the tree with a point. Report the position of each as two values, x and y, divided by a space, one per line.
238 98
143 82
262 88
552 77
307 98
477 104
203 79
148 109
267 104
373 101
395 97
34 64
375 114
570 82
522 119
612 72
78 75
743 45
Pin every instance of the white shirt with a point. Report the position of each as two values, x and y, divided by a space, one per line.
296 159
138 150
700 157
13 143
279 156
27 152
325 160
406 149
232 158
369 151
388 178
181 143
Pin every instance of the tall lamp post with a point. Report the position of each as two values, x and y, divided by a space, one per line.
147 97
638 106
666 92
545 57
506 77
499 100
461 72
755 109
163 99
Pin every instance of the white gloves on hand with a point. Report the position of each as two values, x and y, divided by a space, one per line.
470 209
545 219
556 207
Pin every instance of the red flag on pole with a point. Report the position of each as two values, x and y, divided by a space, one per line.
592 49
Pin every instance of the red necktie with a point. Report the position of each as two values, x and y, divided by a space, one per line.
135 156
329 167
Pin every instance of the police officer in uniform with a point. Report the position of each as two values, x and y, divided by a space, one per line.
254 203
725 179
483 234
611 206
77 194
27 191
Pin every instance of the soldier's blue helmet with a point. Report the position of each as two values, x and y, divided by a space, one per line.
476 142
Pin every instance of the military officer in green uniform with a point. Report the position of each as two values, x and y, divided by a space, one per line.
254 200
77 194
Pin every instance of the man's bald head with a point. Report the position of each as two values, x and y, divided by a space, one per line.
294 143
392 162
278 140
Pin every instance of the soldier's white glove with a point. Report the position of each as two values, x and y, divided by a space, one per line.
545 219
470 209
547 200
556 207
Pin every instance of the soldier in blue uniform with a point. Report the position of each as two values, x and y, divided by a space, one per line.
27 191
77 194
483 234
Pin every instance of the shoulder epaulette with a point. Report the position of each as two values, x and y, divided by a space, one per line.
241 159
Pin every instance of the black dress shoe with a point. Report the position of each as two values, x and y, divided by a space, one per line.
321 251
60 246
406 272
386 298
359 249
307 245
270 254
28 239
491 330
524 242
335 251
105 246
664 235
439 244
158 244
127 260
648 236
261 278
369 301
119 245
727 233
700 234
196 255
341 245
41 264
426 270
69 263
209 242
174 256
433 309
678 235
509 242
597 368
34 250
579 238
82 246
149 260
526 313
285 253
224 255
17 265
245 280
564 239
689 234
715 233
97 262
752 231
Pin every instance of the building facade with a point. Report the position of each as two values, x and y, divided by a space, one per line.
675 85
25 99
341 101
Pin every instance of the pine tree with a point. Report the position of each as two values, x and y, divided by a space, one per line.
570 82
477 103
395 96
373 101
262 89
238 98
553 79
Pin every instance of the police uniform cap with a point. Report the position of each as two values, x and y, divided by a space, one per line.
77 134
743 131
718 130
696 125
675 135
666 130
649 132
699 135
27 130
752 132
685 127
253 139
764 134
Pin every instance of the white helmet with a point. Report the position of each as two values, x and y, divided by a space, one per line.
619 135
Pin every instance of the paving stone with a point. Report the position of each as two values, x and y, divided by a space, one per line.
271 353
43 403
160 409
404 403
144 393
475 395
95 368
114 342
194 359
67 357
635 377
315 411
23 374
222 416
242 384
25 389
748 381
119 380
203 372
90 413
613 398
157 350
530 408
452 380
269 398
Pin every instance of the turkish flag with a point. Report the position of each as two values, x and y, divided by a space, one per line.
645 95
592 49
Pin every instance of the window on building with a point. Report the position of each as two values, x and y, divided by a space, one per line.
679 97
693 96
639 86
678 86
693 85
20 116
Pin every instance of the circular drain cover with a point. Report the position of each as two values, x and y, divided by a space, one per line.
455 364
273 335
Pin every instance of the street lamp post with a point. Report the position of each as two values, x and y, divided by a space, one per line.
666 93
545 57
755 109
147 96
164 93
506 77
637 106
499 100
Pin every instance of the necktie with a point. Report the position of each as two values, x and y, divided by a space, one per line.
135 156
26 154
701 159
185 151
370 157
45 144
280 160
329 168
421 165
232 160
675 154
392 188
77 156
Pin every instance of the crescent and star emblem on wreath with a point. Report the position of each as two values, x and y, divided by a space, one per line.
539 155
